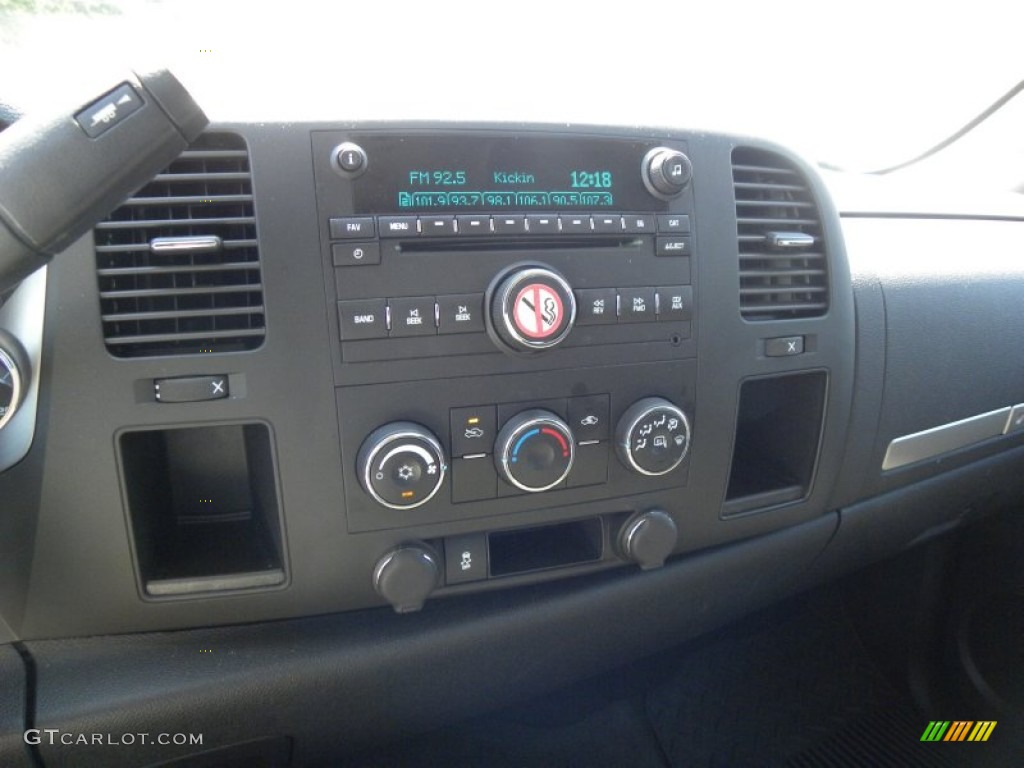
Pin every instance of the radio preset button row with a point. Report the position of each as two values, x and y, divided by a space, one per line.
485 225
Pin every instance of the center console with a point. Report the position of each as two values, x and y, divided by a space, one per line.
515 321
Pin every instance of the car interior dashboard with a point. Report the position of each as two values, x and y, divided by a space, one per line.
371 412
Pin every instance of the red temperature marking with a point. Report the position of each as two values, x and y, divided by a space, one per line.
559 437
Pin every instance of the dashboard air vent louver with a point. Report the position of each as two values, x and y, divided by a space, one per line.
783 265
178 264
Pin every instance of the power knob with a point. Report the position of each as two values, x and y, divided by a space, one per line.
407 575
535 450
401 465
666 172
532 309
648 538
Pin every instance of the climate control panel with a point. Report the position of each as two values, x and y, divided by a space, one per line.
422 452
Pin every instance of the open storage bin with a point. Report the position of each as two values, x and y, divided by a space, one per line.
204 511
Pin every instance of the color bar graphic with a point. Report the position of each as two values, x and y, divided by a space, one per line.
958 730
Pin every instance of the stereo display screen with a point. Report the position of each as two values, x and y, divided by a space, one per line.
495 172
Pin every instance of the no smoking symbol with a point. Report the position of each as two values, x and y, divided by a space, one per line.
538 311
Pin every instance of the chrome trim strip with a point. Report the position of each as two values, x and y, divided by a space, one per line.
945 438
193 244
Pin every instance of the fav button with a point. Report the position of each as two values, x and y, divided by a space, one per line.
352 228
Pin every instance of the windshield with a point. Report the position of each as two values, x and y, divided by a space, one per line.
864 85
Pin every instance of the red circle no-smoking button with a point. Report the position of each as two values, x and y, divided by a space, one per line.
538 311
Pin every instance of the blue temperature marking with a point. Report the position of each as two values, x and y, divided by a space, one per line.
521 440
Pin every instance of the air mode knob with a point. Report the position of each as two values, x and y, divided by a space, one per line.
666 172
535 450
532 308
653 436
401 465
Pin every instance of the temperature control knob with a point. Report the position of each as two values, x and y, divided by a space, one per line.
532 308
653 436
666 172
401 465
535 450
12 385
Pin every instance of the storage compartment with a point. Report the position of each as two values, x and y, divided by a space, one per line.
548 546
204 511
778 431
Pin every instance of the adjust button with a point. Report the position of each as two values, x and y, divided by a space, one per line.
412 316
673 246
460 313
352 228
363 319
636 305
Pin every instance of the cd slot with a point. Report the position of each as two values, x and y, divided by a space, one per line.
448 245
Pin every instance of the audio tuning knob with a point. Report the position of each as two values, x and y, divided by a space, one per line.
666 172
535 450
532 308
653 436
401 465
407 575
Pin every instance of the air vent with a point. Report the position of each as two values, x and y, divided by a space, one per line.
783 266
178 263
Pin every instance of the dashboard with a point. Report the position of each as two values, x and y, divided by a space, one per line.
509 381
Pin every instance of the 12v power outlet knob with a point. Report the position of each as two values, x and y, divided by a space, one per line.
535 450
532 308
